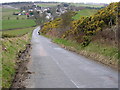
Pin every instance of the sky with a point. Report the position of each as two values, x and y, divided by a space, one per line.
74 1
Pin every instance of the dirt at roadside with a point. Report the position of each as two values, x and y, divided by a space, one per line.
22 72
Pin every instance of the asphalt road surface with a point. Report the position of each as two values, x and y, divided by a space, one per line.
55 67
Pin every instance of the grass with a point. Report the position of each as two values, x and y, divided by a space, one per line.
95 47
86 5
108 51
104 50
11 17
0 65
13 24
15 33
48 4
8 12
85 12
10 48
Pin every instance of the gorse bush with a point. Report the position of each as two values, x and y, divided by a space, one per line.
48 26
83 29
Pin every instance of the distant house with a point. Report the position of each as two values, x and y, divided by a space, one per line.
47 17
27 14
15 13
30 10
38 8
19 14
45 10
23 11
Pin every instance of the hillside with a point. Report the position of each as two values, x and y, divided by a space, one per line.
99 29
86 26
84 12
88 5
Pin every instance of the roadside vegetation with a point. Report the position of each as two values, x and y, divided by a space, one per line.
92 34
16 33
95 51
10 49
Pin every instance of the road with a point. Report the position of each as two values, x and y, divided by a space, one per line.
55 67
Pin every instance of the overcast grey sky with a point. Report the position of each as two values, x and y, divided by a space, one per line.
74 1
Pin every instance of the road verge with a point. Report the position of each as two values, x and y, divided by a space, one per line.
106 55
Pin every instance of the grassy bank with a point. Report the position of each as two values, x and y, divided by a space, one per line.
105 54
10 49
92 47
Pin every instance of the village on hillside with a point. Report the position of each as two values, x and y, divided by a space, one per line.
34 10
49 12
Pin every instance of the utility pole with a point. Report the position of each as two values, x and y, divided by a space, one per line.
118 31
117 25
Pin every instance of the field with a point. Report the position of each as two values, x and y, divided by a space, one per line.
74 4
86 5
8 12
17 32
48 4
13 24
85 12
10 21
